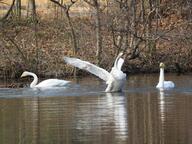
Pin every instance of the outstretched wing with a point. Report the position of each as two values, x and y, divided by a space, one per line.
101 73
169 84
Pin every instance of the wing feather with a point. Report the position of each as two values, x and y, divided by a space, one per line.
97 71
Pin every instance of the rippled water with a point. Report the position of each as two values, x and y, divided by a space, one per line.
83 113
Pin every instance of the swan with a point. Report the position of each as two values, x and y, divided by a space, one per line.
115 79
45 83
162 83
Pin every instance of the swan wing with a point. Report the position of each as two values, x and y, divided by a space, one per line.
52 83
169 84
166 85
99 72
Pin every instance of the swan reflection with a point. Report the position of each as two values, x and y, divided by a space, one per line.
162 105
162 110
117 102
107 114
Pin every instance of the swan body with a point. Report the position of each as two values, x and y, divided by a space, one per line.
162 83
45 83
115 79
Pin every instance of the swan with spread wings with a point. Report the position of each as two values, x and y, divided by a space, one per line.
115 79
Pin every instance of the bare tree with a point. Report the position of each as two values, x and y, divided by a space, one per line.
126 36
136 25
66 8
96 5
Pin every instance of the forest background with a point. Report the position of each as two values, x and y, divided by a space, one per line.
36 34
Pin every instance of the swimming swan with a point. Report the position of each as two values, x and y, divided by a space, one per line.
162 83
114 80
45 83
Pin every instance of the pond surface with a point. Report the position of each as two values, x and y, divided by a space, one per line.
83 113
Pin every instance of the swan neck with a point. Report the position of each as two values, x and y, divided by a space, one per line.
35 80
116 61
161 76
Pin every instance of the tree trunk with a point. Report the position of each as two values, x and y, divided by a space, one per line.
133 23
18 9
98 35
32 9
95 4
73 39
72 34
150 42
66 9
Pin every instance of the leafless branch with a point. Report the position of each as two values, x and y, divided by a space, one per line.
8 12
92 4
58 3
16 46
64 6
4 3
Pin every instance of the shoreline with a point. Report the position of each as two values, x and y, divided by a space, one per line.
83 74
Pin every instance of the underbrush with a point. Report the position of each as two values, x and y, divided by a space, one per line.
40 48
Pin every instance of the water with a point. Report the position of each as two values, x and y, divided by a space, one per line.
84 114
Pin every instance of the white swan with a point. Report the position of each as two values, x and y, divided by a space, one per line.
45 83
162 83
114 80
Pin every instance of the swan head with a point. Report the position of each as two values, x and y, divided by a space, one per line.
35 80
25 73
119 61
162 65
120 54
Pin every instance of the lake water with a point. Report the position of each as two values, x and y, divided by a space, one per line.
83 113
